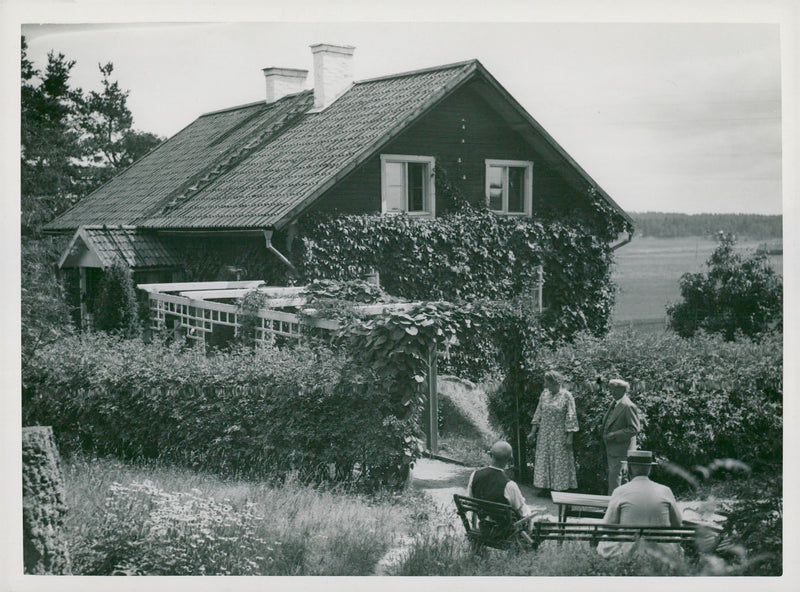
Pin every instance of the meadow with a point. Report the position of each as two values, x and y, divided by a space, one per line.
647 272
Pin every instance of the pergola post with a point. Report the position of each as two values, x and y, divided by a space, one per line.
432 404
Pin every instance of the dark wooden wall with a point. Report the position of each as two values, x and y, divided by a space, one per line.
461 132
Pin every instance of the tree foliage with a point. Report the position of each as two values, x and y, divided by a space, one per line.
71 142
738 294
51 177
45 314
110 142
673 225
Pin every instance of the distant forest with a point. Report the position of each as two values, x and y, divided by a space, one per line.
753 226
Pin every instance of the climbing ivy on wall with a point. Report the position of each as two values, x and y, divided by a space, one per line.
470 254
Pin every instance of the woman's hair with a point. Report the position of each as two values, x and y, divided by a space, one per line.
554 377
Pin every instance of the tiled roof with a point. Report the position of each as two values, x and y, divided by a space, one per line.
250 166
152 182
259 165
138 249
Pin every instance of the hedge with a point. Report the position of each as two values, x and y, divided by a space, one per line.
262 414
703 398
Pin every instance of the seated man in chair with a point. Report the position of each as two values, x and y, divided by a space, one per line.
491 484
641 502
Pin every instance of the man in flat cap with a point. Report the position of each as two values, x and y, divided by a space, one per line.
641 502
491 483
621 424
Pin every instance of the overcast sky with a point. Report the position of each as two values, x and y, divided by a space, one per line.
665 117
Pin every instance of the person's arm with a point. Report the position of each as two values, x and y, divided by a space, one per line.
633 426
515 499
675 516
612 512
537 415
571 419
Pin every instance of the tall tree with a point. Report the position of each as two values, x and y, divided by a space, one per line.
51 152
109 139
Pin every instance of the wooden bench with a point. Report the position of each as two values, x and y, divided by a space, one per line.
594 533
499 526
493 525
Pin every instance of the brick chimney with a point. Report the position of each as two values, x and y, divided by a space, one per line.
333 72
284 81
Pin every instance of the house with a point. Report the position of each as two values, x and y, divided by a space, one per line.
224 194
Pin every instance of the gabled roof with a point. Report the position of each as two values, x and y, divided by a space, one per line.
259 165
99 246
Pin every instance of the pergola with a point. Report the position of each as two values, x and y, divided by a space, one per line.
194 309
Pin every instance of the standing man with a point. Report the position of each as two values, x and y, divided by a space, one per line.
621 425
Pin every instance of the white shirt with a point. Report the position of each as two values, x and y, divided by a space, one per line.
511 493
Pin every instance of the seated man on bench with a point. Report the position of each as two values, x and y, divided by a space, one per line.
491 484
641 502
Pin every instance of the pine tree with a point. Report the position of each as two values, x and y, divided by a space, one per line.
109 139
51 152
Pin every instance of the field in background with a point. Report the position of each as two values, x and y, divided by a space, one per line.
648 271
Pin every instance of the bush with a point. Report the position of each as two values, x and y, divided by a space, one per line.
116 307
702 397
268 414
738 294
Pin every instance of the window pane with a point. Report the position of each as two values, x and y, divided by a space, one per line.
395 187
416 186
516 189
495 180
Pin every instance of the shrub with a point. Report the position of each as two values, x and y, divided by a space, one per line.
738 294
45 313
702 398
116 307
270 413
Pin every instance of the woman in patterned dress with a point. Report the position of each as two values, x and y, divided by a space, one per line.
553 425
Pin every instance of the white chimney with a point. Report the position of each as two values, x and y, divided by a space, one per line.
333 72
284 81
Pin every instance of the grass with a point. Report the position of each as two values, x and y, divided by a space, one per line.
465 433
164 520
452 556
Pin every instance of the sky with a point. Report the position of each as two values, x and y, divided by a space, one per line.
664 116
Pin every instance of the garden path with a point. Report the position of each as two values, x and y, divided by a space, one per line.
439 480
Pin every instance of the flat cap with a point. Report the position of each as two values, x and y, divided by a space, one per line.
619 382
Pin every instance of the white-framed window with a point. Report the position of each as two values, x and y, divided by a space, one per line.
509 186
408 184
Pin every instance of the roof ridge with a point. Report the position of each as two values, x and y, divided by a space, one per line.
420 71
253 104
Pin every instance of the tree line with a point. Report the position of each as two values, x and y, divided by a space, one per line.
72 141
664 225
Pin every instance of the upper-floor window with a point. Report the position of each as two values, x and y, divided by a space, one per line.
407 184
509 186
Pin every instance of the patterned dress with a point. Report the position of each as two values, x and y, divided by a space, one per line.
555 463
